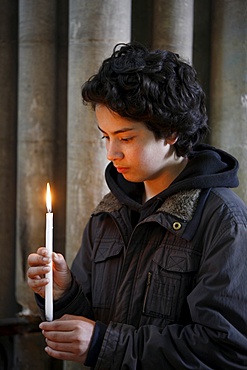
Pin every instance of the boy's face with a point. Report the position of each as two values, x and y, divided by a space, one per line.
133 149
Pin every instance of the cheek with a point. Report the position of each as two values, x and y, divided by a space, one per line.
144 160
150 153
154 159
145 154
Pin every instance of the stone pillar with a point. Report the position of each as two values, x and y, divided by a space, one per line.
95 27
202 43
36 112
173 26
8 116
60 165
228 97
141 21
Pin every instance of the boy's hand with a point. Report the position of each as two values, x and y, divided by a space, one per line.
68 338
39 266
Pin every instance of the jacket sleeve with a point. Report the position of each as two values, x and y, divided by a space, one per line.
216 338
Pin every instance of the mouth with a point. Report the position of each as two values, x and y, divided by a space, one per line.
121 169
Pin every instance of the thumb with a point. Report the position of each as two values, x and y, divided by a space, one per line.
59 262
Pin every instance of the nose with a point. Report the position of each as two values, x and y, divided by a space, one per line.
113 151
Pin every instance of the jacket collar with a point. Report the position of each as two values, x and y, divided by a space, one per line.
181 205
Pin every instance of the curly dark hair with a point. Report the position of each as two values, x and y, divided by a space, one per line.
157 88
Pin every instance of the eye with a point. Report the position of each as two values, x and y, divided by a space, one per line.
126 139
104 137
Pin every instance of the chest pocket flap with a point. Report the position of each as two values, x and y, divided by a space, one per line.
108 250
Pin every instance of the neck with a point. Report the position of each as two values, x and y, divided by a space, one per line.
162 182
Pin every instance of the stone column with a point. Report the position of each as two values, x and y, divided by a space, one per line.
228 97
36 112
60 165
8 116
202 43
95 27
173 26
141 20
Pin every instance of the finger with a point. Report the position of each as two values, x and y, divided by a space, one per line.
60 355
38 284
36 278
71 350
68 317
33 272
59 336
35 259
60 346
43 251
56 325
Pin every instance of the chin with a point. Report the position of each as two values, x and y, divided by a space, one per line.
132 178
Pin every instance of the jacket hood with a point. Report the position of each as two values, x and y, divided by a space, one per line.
208 167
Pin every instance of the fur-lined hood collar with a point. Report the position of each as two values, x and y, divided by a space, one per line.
181 205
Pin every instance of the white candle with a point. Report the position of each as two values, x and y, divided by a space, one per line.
49 246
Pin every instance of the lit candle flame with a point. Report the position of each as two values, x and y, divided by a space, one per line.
48 198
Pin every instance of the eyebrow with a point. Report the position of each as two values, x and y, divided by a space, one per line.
124 129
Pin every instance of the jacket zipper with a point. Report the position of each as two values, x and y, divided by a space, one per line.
146 292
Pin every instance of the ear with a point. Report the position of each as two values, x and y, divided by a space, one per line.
172 139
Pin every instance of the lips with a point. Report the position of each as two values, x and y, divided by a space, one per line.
121 169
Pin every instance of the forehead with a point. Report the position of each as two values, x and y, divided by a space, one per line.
111 121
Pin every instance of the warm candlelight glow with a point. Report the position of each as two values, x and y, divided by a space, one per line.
48 198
